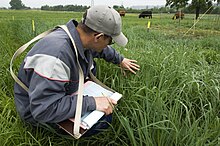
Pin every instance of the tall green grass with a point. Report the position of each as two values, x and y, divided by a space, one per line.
172 100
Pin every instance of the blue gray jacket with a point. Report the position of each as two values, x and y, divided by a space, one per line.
50 72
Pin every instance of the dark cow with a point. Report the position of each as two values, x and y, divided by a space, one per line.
146 14
178 15
122 13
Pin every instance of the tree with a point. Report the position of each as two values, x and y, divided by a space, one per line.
198 5
17 4
177 3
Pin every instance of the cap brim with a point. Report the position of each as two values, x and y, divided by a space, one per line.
120 39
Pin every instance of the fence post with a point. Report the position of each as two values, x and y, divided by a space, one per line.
33 26
148 26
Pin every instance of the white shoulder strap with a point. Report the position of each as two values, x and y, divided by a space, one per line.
80 89
19 51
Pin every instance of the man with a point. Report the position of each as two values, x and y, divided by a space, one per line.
50 69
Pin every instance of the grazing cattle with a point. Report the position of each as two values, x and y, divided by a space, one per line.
178 15
146 14
122 13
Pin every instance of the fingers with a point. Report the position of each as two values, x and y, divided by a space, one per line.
135 65
130 65
111 101
105 104
108 109
131 70
132 60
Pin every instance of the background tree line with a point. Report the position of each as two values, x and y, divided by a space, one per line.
17 5
76 8
196 6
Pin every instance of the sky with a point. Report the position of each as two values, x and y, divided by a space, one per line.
125 3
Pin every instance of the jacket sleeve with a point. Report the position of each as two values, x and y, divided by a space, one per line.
109 54
49 103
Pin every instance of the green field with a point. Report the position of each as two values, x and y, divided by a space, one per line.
174 100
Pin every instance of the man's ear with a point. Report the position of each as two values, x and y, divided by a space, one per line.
98 35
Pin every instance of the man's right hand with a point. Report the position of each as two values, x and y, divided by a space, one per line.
105 104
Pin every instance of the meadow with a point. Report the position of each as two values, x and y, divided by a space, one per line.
174 100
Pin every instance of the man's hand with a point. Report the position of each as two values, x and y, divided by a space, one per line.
105 104
130 65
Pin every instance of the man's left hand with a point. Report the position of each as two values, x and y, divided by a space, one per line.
130 65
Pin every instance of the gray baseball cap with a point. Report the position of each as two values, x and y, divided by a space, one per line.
107 20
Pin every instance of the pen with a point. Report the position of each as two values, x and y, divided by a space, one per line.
113 107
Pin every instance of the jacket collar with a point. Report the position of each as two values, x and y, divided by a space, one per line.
71 25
